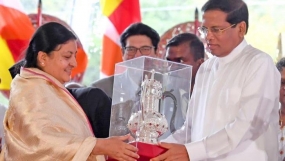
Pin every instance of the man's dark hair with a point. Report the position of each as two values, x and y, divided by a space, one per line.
196 46
280 64
236 9
140 29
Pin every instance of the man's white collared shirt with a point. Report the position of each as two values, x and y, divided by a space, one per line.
233 112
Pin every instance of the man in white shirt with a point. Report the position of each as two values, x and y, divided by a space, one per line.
233 111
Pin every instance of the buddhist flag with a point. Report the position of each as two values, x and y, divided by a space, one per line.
120 14
15 32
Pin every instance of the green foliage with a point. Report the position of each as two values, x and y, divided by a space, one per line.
94 49
162 15
265 26
93 70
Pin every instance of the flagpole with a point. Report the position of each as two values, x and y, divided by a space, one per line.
72 12
196 22
39 16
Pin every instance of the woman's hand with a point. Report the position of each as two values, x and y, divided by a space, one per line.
116 148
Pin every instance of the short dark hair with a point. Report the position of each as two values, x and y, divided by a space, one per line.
46 39
196 46
236 9
140 29
280 64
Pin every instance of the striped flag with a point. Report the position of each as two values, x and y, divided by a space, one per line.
15 32
120 13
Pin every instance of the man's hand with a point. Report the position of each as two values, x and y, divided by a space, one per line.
175 152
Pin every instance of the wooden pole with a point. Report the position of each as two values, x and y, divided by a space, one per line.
39 17
196 23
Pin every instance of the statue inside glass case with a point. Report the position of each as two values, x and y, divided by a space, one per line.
148 123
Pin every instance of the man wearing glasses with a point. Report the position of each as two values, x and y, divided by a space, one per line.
137 40
233 111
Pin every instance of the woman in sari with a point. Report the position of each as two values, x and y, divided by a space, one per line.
44 121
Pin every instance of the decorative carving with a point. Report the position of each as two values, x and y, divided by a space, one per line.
186 27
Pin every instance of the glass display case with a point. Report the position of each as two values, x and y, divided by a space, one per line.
150 100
